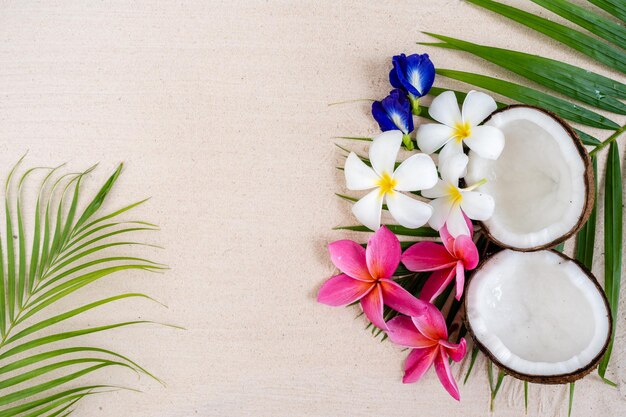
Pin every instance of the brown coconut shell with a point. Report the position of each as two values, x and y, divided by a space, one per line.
544 379
590 193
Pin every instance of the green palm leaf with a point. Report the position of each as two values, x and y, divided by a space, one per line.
64 403
396 229
571 399
65 243
584 18
533 97
615 8
579 41
612 241
526 396
69 395
31 360
586 237
590 88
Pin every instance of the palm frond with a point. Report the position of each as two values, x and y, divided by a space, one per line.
571 398
616 8
396 229
586 237
588 87
590 46
594 23
528 95
67 250
613 206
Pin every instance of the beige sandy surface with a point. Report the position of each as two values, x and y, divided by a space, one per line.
220 112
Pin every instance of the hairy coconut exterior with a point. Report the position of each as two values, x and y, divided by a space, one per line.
546 379
590 193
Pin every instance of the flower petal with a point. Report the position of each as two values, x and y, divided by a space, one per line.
453 168
420 72
477 205
382 118
407 211
466 251
460 279
431 137
486 141
445 109
431 324
400 299
440 189
437 283
398 109
441 210
368 209
383 253
394 80
384 151
454 350
415 73
342 290
417 364
417 172
447 239
403 332
454 147
349 257
477 106
442 367
372 305
358 175
456 223
427 256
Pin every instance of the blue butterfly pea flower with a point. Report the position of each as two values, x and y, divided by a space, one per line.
415 74
394 113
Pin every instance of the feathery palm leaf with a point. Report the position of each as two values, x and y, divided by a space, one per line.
66 251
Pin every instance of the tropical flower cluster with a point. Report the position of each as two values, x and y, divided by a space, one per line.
421 186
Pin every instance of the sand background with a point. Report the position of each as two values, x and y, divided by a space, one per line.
220 112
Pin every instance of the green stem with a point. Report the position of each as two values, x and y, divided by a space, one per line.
369 100
408 142
608 141
415 105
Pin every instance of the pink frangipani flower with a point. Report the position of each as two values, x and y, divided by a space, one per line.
448 261
366 277
427 336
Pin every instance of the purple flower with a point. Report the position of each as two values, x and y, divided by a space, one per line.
414 74
394 113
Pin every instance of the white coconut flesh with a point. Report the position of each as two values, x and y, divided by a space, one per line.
538 183
537 313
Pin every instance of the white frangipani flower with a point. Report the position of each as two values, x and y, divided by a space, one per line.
460 127
417 172
451 202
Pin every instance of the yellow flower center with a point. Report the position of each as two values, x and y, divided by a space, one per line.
386 183
462 130
454 194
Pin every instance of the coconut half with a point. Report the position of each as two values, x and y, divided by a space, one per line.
540 316
542 183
